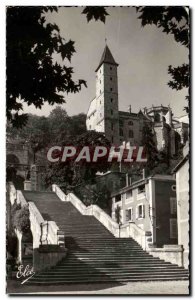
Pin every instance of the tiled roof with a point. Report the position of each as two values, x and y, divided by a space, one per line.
106 58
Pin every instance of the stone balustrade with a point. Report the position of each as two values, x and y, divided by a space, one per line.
43 231
169 253
92 210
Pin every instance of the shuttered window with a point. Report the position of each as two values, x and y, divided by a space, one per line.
173 228
129 214
173 205
140 211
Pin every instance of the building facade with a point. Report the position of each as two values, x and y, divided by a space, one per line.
183 208
151 204
126 126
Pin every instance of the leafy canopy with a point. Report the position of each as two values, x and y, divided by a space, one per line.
33 75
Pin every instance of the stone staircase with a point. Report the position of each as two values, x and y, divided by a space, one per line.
94 254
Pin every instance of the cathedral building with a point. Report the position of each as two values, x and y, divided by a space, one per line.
126 127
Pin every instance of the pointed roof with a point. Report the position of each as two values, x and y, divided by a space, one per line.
106 58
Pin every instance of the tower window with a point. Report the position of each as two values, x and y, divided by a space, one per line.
111 78
100 115
121 131
111 89
110 68
130 133
111 111
111 100
100 101
100 81
130 123
100 91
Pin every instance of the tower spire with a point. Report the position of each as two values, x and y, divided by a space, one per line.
106 57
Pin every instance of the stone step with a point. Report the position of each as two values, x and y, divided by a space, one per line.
101 280
94 254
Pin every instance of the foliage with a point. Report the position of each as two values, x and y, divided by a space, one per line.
150 147
41 132
93 194
70 173
20 218
33 75
172 20
96 13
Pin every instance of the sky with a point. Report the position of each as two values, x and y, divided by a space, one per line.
143 55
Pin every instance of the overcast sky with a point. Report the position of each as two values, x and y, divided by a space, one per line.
143 55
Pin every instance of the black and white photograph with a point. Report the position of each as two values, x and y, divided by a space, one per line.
98 150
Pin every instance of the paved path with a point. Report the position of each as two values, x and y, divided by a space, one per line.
132 288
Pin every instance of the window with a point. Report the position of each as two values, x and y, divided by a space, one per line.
120 122
111 100
100 101
111 78
100 115
100 81
89 126
110 68
157 117
112 126
141 189
129 194
173 206
140 211
111 111
130 134
118 198
121 131
130 123
129 214
111 89
100 91
100 72
112 139
173 228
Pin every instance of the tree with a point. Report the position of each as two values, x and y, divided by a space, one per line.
33 75
96 13
69 174
150 147
20 218
118 214
172 20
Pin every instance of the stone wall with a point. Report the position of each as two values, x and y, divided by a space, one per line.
182 187
169 253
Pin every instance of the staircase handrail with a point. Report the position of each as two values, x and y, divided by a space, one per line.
138 234
105 215
46 231
92 210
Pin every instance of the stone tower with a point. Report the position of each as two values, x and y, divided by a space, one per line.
107 118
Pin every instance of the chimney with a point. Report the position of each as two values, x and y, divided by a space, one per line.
129 108
144 173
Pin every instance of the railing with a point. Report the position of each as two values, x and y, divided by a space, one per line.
138 234
44 232
92 210
126 230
